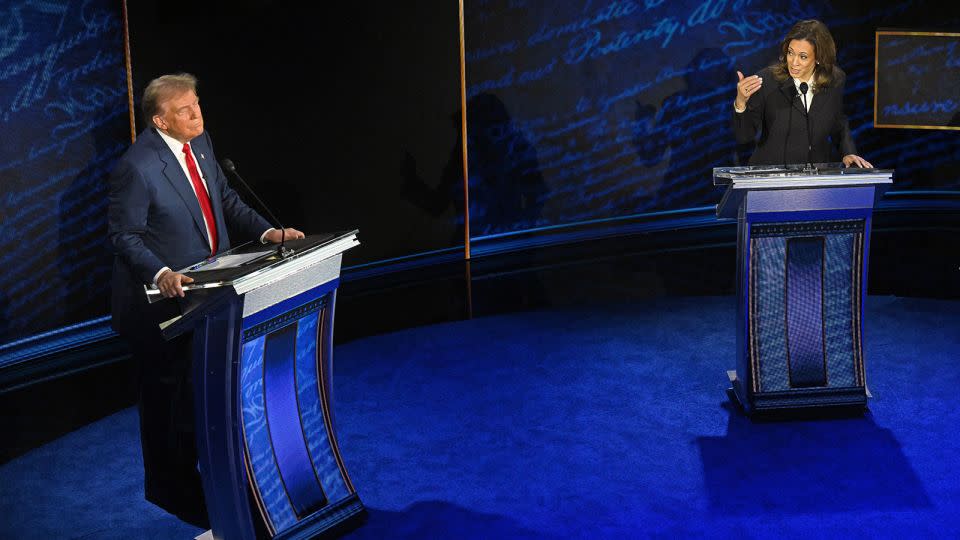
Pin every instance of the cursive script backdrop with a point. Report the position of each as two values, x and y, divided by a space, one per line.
918 79
345 115
63 124
588 110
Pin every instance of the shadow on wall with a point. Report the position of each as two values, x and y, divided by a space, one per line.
85 256
507 190
693 128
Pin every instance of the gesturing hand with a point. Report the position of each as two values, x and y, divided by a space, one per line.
746 87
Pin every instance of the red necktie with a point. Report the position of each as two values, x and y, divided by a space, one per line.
203 197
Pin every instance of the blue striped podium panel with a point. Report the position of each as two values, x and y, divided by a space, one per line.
268 450
802 254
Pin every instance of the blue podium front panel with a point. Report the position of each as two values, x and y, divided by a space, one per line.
804 313
294 467
314 413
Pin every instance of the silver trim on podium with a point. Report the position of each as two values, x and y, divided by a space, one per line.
260 287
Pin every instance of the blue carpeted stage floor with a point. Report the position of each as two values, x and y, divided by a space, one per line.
597 422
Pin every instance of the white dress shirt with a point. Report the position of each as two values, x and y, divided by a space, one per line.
177 148
796 82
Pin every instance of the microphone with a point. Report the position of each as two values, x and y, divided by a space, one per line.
803 91
232 169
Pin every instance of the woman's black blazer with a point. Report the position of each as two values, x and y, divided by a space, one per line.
776 111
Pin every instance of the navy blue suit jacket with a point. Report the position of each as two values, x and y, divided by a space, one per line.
776 112
155 219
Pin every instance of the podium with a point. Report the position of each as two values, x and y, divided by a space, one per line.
803 242
262 366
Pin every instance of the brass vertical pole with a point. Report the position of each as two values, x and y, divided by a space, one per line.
463 137
126 55
466 173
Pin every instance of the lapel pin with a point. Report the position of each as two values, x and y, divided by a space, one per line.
202 156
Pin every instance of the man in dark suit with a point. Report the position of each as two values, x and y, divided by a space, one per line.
779 111
170 207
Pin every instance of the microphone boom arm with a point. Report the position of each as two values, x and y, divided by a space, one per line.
229 167
806 113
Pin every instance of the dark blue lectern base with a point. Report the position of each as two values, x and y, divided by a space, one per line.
802 252
263 368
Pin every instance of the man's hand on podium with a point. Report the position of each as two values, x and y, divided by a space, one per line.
273 235
171 283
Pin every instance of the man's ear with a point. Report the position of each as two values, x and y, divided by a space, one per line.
158 122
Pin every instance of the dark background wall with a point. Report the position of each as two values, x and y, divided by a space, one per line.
347 116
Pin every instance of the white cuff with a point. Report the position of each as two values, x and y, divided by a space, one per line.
738 111
263 237
157 275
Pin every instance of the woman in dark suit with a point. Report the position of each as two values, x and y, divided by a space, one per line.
804 84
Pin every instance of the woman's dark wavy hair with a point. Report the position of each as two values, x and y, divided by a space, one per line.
824 48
